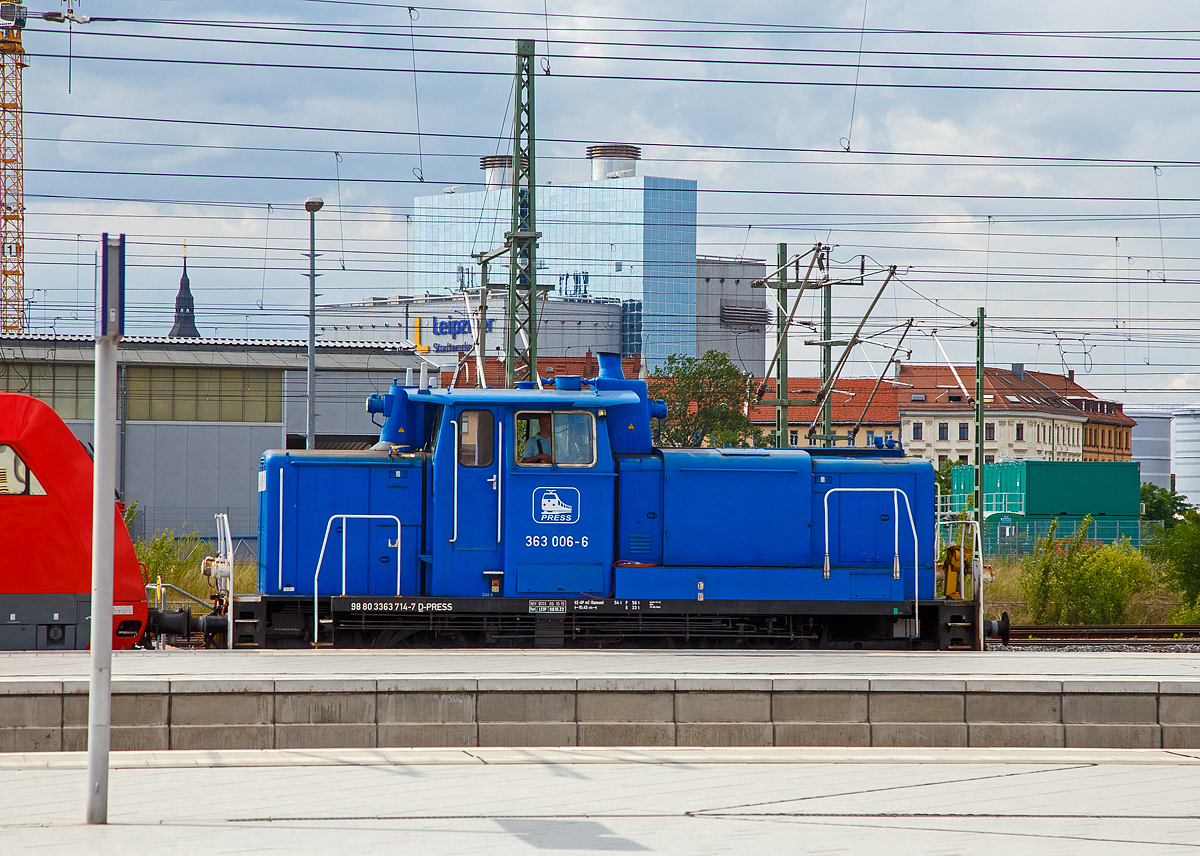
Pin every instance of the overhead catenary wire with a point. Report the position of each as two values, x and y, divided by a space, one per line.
419 170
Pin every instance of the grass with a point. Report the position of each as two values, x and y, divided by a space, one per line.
179 562
1157 603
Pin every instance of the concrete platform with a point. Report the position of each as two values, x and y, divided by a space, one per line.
686 801
189 700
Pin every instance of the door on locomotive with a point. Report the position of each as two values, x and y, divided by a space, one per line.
559 503
466 491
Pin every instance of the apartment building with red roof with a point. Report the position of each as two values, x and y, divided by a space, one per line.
1107 432
1025 414
852 406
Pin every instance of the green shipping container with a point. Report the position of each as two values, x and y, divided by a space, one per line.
1068 489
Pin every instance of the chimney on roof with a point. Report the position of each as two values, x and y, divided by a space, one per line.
1071 375
1018 370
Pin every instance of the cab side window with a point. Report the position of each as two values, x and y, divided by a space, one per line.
574 435
16 478
476 438
560 438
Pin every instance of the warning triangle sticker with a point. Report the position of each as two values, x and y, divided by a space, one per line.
630 426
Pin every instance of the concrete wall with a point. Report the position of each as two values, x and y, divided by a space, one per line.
195 713
566 328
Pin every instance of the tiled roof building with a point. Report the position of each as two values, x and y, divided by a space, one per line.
1106 434
850 397
1026 415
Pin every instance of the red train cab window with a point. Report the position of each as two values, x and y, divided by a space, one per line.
16 479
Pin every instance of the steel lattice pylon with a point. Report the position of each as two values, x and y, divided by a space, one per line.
521 356
12 184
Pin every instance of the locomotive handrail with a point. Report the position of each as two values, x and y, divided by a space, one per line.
321 557
454 535
280 589
159 601
500 464
895 492
976 558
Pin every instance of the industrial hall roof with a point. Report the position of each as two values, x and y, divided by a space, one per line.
849 397
289 354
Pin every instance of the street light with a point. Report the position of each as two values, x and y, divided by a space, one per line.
312 206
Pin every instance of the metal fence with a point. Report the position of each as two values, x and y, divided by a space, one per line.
1019 538
183 520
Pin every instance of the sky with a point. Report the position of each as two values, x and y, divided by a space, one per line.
1035 159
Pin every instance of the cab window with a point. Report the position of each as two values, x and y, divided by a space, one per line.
16 478
556 438
476 438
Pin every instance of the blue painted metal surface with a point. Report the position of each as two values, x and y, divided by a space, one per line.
607 515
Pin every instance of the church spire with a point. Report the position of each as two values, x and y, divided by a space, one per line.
185 307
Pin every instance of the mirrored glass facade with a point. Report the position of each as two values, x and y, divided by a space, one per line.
632 239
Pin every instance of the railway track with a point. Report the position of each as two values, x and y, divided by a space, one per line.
1097 635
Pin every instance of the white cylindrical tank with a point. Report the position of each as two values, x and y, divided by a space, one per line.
1185 458
497 171
1150 444
613 160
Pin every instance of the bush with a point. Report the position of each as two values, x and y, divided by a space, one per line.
1075 581
176 560
1179 549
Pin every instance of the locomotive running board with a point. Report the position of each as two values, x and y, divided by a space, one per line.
347 605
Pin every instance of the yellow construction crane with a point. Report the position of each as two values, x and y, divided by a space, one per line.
12 171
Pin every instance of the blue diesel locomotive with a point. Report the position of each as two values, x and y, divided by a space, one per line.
547 516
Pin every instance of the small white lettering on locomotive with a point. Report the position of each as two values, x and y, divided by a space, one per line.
548 607
401 606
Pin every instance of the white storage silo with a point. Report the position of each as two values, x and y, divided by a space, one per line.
1185 458
1150 444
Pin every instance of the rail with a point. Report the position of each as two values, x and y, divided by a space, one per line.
1100 634
993 503
896 493
321 558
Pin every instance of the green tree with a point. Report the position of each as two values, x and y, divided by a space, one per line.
1162 504
944 476
1076 581
1179 549
706 401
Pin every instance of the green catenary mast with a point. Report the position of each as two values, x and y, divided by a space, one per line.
521 337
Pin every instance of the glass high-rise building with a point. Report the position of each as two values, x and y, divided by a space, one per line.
621 235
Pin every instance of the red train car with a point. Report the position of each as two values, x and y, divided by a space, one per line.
46 518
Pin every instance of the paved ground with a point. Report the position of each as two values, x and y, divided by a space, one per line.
473 664
686 801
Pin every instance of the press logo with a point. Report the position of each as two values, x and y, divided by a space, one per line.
555 505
